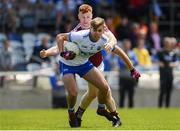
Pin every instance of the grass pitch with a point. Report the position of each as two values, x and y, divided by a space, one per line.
57 119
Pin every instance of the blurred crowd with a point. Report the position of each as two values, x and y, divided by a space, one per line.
45 18
27 26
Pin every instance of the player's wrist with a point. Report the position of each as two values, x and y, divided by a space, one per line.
113 48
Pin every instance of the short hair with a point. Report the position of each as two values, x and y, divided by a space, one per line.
84 8
97 22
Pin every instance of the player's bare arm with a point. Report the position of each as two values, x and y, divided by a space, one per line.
49 52
117 50
134 73
60 38
112 40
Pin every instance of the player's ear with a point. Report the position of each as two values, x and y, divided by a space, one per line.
91 16
79 16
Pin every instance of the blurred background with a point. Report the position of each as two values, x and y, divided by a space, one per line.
142 26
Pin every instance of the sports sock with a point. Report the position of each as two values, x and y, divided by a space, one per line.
71 110
101 106
79 112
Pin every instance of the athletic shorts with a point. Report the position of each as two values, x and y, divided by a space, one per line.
80 70
101 67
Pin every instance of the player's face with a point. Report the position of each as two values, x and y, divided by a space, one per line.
85 19
97 33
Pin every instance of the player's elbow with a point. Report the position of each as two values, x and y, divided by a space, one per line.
59 37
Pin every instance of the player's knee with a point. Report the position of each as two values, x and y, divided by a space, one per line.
106 88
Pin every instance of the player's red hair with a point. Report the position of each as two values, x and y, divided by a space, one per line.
84 8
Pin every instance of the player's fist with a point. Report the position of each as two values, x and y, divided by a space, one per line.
43 53
68 55
135 74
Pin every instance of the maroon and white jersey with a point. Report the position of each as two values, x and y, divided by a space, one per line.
78 28
97 58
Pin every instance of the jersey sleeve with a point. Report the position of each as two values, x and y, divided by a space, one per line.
77 28
105 38
106 28
74 37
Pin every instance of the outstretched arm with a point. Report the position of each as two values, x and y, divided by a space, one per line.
49 52
112 40
117 50
68 55
55 49
134 73
60 38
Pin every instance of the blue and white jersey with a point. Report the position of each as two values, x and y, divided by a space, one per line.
86 46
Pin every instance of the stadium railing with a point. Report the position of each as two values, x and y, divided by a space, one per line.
46 72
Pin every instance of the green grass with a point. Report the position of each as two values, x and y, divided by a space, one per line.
49 119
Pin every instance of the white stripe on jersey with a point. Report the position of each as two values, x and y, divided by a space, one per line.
77 27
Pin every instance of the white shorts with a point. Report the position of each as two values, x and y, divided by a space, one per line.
101 67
